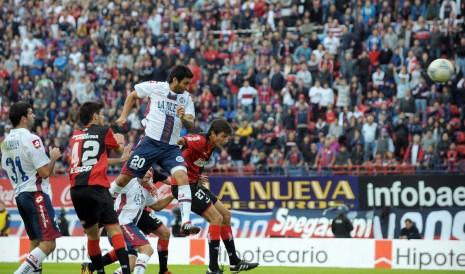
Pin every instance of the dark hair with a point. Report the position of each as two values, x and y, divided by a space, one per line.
87 111
408 220
17 111
220 125
180 73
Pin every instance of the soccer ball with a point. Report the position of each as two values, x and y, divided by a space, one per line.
440 70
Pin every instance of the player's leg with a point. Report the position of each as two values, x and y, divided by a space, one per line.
202 205
172 161
145 252
149 223
163 234
141 159
109 219
38 215
132 263
235 263
87 205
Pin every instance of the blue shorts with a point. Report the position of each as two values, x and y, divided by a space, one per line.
133 237
38 216
149 152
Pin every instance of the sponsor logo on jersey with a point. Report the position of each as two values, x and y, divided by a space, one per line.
36 143
181 100
200 162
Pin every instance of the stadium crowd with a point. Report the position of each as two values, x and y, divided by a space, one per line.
307 84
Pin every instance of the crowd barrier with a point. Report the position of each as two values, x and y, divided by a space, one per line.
346 253
304 206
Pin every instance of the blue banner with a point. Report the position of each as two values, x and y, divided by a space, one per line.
264 193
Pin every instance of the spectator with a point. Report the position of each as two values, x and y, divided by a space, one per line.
384 144
414 153
410 231
369 136
294 161
341 226
343 157
4 220
235 149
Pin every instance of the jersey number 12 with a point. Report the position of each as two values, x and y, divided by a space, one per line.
90 151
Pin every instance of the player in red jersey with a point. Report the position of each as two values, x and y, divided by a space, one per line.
197 150
89 183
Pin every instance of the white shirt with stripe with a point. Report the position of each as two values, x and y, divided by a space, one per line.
131 202
22 154
162 122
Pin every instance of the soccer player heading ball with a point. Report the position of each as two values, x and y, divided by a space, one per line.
170 109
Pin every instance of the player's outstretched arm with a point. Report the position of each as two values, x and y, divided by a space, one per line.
128 103
47 170
161 204
124 157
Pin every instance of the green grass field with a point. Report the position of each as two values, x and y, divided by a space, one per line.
178 269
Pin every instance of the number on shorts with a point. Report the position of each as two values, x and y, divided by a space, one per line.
137 162
200 195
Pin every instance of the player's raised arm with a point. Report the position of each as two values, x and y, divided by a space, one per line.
128 104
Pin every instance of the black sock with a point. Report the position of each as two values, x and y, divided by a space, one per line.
97 263
231 248
163 260
123 259
214 248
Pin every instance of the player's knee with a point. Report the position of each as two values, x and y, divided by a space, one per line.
216 219
227 218
181 177
146 249
47 246
163 233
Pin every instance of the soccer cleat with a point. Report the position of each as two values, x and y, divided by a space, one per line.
242 266
166 272
214 272
189 229
85 269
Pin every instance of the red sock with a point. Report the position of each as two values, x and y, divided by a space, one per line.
162 245
118 241
93 247
226 232
214 232
112 255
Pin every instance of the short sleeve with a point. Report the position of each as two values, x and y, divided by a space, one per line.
145 89
110 141
37 153
190 109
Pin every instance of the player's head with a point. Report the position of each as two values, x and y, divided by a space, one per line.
21 115
219 132
91 113
180 78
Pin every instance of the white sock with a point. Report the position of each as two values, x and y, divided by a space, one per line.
118 271
33 261
141 263
185 200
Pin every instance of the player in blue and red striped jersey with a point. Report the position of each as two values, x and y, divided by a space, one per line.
28 168
171 108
